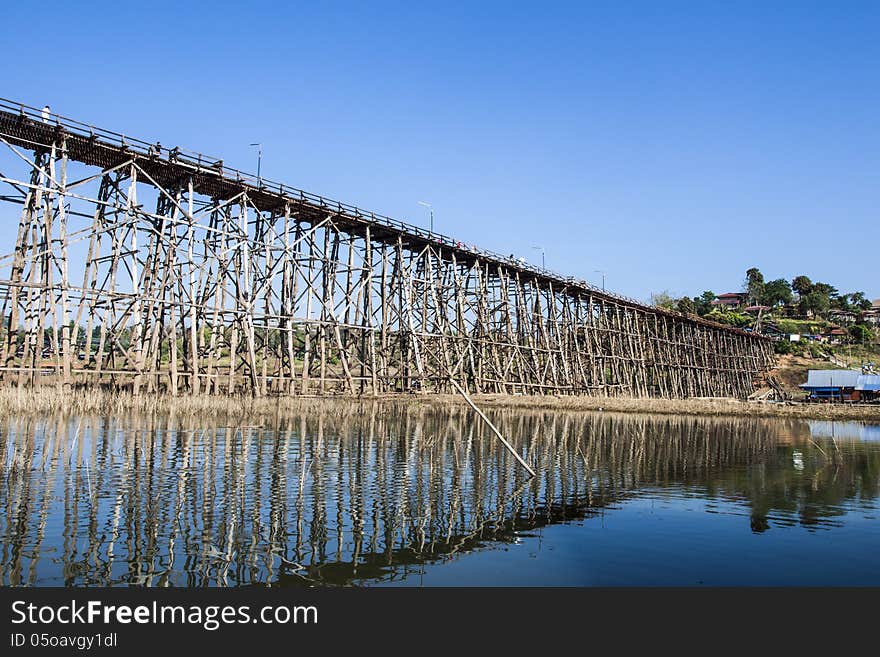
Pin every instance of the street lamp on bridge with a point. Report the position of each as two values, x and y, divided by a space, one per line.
431 211
599 271
259 162
541 249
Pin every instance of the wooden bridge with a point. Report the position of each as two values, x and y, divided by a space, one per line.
138 266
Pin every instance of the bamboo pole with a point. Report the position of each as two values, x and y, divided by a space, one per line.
504 442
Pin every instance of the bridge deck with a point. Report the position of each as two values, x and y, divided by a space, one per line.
23 126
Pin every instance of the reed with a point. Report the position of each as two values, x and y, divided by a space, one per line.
48 400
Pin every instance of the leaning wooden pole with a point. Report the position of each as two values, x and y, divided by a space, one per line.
509 447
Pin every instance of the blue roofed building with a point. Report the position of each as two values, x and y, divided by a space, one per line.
868 387
842 385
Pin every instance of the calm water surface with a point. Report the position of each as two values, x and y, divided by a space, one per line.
379 495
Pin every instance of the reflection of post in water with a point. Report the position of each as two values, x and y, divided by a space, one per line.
20 498
48 465
318 527
167 500
278 484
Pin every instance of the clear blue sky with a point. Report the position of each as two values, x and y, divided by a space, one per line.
673 145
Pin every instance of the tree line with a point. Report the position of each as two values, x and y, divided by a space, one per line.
801 294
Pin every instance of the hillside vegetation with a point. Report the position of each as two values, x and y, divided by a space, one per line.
835 329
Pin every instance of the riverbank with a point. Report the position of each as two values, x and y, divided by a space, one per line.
51 400
701 406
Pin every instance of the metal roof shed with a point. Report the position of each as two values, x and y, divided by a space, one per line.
869 383
817 379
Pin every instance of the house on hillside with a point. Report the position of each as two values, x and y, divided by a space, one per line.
872 316
843 316
730 300
772 330
834 335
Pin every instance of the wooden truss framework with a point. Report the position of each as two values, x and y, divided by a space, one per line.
136 266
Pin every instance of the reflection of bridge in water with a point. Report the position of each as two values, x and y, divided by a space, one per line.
358 495
135 265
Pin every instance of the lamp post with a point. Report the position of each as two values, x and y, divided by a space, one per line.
430 211
541 249
599 271
259 162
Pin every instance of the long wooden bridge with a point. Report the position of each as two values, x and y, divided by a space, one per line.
139 266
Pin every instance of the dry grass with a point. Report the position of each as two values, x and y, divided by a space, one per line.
48 400
698 406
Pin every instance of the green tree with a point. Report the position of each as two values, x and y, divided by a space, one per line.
802 285
740 320
703 303
686 306
754 284
826 289
663 300
819 299
861 333
815 302
776 292
783 347
858 300
841 302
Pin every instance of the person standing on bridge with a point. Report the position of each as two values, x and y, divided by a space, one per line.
45 114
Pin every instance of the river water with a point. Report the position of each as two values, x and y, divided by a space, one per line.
390 494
